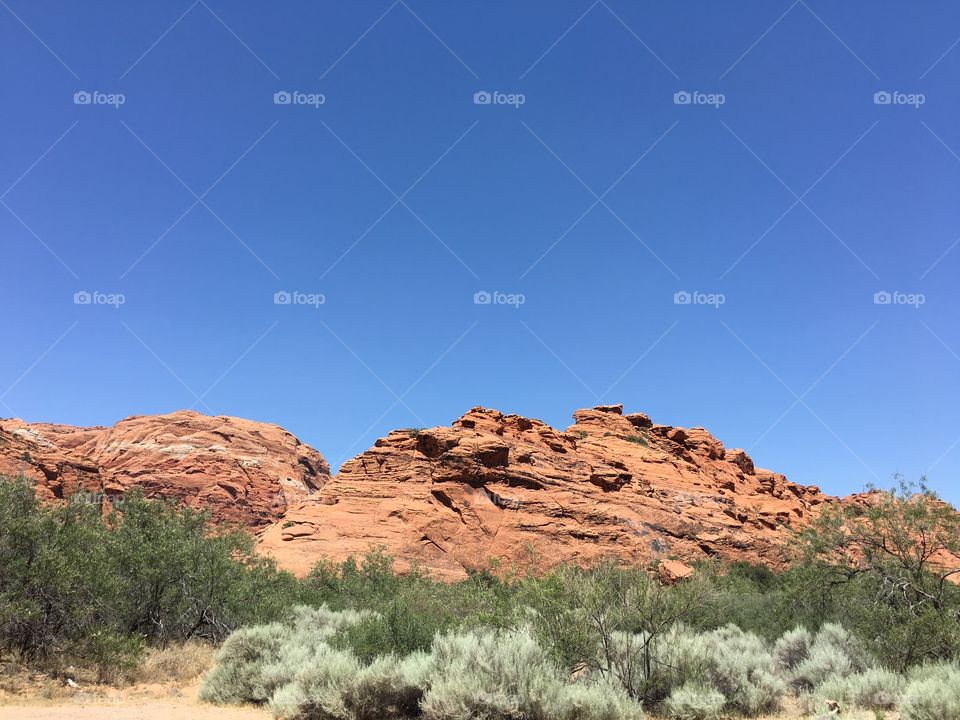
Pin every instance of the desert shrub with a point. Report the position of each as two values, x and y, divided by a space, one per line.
484 673
411 608
408 623
316 690
694 702
792 649
875 689
834 654
611 619
738 665
930 670
239 665
322 623
741 668
933 694
255 662
389 687
56 591
595 700
507 674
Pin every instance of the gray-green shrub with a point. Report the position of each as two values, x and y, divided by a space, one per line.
874 689
596 700
694 702
316 691
739 665
255 662
834 653
742 669
792 648
933 694
498 675
389 687
238 673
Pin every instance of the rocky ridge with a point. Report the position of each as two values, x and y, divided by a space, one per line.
515 491
242 471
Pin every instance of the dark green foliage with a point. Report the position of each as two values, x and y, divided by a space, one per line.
80 587
409 608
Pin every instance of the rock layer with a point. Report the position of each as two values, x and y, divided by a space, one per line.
242 471
513 490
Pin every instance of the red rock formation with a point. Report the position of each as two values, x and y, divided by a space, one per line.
513 489
242 471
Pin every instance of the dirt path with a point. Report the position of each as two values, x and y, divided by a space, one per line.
140 702
172 709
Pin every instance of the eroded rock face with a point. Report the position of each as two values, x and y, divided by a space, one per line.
512 489
242 471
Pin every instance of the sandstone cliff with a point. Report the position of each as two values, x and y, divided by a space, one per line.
516 490
242 471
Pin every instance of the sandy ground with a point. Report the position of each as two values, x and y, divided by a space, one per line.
139 703
170 702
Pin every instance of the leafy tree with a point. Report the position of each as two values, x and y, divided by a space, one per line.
891 567
582 615
78 586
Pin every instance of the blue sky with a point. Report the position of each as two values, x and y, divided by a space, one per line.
779 200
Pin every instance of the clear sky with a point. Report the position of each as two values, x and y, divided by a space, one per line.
624 152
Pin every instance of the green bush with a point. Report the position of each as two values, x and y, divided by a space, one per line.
694 702
80 587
